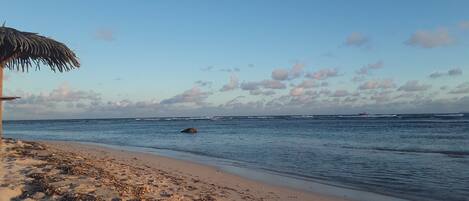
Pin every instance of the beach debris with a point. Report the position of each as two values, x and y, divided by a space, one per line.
38 195
63 175
189 130
166 194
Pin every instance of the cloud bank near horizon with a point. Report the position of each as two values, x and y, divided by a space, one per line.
295 90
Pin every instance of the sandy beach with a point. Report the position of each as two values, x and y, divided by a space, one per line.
74 171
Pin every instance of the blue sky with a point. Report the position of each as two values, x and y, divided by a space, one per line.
186 58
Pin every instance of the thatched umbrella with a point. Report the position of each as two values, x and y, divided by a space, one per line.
23 50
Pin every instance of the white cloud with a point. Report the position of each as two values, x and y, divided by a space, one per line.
377 84
323 74
462 88
372 66
381 97
307 84
451 72
296 71
248 86
297 91
437 75
63 100
191 96
207 68
203 83
263 87
282 74
64 93
229 70
430 39
105 34
267 84
356 39
233 102
413 86
358 78
262 92
454 72
232 84
273 84
339 93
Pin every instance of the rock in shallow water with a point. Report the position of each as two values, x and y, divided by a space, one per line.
189 130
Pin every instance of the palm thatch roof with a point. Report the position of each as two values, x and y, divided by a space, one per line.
23 50
8 98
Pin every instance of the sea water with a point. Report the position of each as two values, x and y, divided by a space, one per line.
417 157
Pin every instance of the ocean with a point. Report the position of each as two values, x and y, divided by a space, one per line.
415 157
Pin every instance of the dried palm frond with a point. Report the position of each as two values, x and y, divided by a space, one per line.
23 50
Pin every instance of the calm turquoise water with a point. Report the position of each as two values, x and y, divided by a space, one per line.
418 157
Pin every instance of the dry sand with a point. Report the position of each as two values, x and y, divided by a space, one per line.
74 171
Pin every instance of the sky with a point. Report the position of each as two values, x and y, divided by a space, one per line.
207 58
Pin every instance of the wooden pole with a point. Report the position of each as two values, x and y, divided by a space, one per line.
1 103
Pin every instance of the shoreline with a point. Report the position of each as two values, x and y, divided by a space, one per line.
66 170
182 179
263 176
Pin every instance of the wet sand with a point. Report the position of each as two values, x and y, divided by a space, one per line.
74 171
